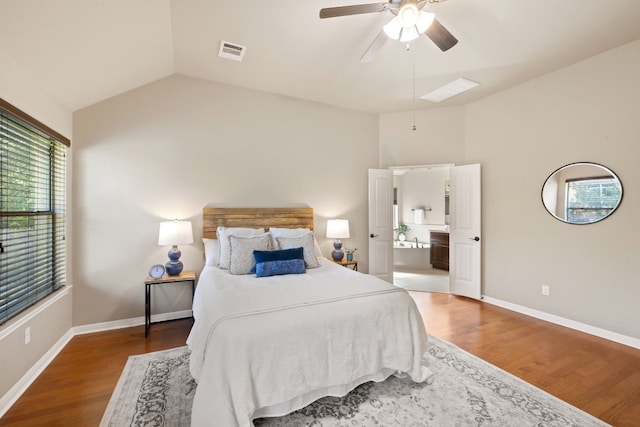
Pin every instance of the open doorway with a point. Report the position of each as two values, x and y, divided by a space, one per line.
421 227
463 242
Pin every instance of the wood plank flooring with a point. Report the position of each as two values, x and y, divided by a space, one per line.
75 388
596 375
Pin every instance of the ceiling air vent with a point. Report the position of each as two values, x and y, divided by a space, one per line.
231 51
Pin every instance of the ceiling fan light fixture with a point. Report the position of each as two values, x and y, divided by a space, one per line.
424 21
393 29
408 15
408 26
409 34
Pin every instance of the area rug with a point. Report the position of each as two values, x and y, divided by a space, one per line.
156 389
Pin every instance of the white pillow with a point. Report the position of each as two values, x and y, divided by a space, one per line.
293 232
211 252
225 246
242 260
306 242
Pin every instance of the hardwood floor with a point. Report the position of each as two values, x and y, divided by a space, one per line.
75 388
596 375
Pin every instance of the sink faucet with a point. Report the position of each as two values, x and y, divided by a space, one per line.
416 243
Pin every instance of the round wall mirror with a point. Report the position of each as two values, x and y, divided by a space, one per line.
582 193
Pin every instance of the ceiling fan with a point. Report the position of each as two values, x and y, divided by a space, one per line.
408 23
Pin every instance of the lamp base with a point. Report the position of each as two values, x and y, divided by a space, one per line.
174 266
337 254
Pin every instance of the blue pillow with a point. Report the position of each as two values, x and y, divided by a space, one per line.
280 267
283 254
280 255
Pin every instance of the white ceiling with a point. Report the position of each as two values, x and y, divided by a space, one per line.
84 51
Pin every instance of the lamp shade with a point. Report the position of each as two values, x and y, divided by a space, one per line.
175 233
338 229
409 26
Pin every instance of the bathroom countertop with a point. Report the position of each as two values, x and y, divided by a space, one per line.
410 244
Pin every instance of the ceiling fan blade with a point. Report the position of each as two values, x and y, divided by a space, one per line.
374 48
332 12
441 36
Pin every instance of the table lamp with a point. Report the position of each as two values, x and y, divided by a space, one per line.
337 229
175 233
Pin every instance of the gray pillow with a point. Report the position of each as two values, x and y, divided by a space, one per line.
241 260
306 242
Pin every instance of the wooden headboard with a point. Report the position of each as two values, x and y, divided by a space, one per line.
254 217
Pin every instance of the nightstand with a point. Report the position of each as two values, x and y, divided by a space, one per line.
185 276
353 264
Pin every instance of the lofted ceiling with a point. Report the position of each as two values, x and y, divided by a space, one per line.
84 51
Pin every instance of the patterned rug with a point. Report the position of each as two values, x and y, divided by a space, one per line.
156 389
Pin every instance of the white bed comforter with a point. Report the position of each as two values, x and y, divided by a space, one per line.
269 346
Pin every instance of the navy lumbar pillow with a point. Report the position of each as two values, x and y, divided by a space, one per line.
280 267
282 254
279 255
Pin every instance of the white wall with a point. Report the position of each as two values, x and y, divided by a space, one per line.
167 149
424 188
585 112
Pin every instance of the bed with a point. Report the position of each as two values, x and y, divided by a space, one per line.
266 346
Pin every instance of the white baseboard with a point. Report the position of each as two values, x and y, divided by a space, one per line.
127 323
27 379
582 327
32 374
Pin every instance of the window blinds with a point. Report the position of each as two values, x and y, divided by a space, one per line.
32 215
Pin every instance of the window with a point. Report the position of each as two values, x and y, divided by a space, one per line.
591 199
32 211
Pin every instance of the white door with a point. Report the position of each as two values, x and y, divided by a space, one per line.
464 235
381 224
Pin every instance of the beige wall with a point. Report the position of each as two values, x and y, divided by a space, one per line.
17 88
438 137
48 327
169 148
586 112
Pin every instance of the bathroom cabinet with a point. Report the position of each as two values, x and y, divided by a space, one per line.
439 250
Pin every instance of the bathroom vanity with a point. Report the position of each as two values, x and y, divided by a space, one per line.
439 257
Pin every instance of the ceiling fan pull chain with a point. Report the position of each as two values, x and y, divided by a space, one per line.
414 94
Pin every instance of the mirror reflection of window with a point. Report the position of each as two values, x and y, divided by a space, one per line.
591 199
582 193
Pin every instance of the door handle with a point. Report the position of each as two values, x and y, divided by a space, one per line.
373 235
477 239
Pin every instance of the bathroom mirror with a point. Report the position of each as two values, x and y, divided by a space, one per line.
582 193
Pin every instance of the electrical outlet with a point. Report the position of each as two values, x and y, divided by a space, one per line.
545 290
27 335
